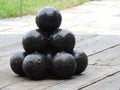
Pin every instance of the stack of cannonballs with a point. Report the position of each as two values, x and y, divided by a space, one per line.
48 51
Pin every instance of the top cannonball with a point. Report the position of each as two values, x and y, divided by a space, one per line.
48 19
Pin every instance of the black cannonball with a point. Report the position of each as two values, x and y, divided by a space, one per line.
63 40
35 66
81 59
34 40
16 62
63 65
48 19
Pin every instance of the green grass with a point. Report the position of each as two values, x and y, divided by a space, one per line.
11 8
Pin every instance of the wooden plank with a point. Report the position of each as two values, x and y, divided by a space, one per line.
76 83
92 74
90 44
10 46
7 77
12 43
7 51
108 57
27 84
82 37
9 39
110 83
99 43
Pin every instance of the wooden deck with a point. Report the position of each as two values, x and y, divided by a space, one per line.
102 73
86 21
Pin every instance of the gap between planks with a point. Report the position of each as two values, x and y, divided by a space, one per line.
110 83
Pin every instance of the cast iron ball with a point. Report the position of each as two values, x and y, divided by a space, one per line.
81 59
35 66
48 19
63 40
34 40
16 62
63 65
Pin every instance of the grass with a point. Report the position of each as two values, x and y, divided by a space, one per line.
12 8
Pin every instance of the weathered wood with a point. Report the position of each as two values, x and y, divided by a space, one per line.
110 83
7 77
82 37
91 75
91 45
108 57
12 43
26 84
99 43
6 52
9 39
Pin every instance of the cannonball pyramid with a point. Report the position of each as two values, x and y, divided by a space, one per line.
48 51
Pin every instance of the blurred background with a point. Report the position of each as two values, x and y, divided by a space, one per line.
13 8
